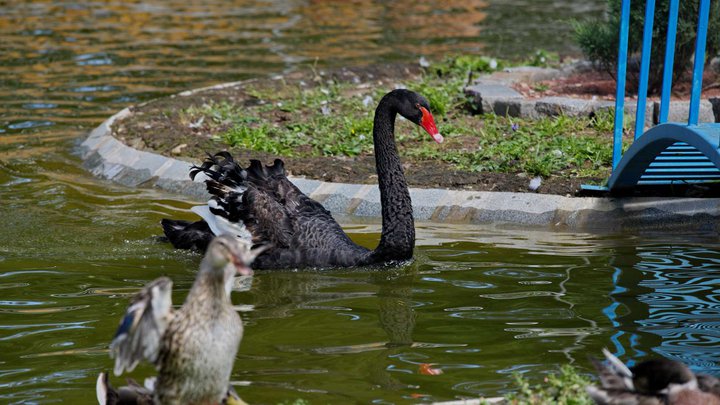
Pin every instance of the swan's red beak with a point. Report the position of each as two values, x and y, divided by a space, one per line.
428 123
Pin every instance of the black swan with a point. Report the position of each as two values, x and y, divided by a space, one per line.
298 230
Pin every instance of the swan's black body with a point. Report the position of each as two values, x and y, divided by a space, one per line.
301 232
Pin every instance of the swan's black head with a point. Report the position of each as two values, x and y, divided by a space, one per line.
415 108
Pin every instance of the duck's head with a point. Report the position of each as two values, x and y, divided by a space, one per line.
662 376
230 256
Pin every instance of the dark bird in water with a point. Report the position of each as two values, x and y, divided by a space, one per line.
297 229
193 348
652 382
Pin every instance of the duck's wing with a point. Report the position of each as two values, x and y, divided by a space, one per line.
603 396
708 383
140 333
613 388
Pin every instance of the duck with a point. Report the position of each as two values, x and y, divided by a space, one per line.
299 231
657 381
193 348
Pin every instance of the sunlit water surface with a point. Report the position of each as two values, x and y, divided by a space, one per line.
477 303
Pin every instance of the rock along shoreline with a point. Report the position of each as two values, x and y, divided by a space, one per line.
107 157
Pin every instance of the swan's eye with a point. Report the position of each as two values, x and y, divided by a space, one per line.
417 105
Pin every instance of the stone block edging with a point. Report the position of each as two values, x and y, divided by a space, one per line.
493 93
108 158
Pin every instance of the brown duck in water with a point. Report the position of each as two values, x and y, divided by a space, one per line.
652 382
300 231
193 348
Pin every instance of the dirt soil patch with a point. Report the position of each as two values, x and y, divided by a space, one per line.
158 127
596 84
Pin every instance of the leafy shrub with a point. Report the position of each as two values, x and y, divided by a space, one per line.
599 39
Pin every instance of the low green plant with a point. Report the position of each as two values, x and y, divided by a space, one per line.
543 58
565 388
543 147
331 119
257 138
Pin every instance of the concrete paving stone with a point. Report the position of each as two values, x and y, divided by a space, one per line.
630 114
150 161
307 186
453 214
107 148
195 190
487 216
426 201
483 95
367 202
133 178
679 111
339 198
126 156
172 169
111 170
553 106
526 74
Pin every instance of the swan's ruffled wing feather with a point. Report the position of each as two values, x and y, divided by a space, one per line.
275 212
140 333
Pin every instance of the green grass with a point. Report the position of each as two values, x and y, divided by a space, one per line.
330 119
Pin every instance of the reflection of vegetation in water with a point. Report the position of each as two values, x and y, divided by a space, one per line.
335 119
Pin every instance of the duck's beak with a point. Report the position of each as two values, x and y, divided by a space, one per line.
428 123
241 269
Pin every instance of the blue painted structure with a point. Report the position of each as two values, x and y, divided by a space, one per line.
669 153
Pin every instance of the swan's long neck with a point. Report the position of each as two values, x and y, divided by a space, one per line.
398 227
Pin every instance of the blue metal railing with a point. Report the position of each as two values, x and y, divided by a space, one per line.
698 68
699 62
644 68
669 61
621 76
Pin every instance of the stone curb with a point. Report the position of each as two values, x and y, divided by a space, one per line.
108 158
493 93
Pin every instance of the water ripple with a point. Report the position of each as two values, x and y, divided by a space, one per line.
530 333
516 314
45 328
31 124
521 273
39 311
521 295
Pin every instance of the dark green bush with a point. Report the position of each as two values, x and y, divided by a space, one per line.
599 39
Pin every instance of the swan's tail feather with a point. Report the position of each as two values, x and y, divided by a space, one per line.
187 235
222 168
259 173
250 203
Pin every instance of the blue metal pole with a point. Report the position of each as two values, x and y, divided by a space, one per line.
699 62
669 61
620 90
644 68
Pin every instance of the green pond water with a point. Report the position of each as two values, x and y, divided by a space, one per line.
477 302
